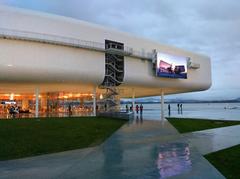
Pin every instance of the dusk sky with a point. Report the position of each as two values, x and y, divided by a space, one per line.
208 27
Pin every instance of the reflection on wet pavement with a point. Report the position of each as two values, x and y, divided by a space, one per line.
208 141
173 159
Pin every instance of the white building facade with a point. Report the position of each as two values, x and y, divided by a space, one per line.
57 54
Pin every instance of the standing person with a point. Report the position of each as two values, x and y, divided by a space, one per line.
181 108
12 111
137 108
105 107
141 109
126 108
178 105
131 108
69 110
169 109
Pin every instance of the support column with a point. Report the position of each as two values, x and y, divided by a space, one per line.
37 102
133 98
162 105
94 101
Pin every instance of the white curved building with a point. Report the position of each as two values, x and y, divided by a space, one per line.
54 54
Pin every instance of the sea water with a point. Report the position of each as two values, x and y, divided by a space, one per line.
220 111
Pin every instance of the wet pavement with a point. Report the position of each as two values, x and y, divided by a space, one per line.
208 141
140 149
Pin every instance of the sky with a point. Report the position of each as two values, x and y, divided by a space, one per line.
208 27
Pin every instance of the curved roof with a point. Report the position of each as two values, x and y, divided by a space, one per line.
39 22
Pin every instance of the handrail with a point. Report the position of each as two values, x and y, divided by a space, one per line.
114 68
67 41
114 79
113 56
52 39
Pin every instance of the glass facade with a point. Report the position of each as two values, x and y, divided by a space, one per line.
49 104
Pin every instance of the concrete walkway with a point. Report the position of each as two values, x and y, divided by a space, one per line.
212 140
140 149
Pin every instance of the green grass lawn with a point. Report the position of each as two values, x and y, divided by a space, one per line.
226 161
189 125
29 137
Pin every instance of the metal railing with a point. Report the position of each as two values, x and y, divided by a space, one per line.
114 68
68 41
52 39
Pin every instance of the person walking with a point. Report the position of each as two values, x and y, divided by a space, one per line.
126 108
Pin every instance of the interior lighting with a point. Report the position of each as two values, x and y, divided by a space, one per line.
11 96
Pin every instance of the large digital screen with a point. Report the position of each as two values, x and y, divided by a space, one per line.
170 66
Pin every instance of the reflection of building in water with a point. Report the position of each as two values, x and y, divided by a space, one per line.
113 156
173 159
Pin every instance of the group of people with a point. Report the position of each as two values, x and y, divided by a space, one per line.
179 106
13 110
138 108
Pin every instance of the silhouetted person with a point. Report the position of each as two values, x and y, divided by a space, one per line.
141 109
69 110
178 108
137 108
169 109
126 108
11 111
181 108
105 107
131 108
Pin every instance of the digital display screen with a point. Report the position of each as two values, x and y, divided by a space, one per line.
170 66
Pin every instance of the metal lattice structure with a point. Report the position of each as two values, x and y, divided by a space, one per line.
114 74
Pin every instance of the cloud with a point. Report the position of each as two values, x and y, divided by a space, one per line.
208 27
